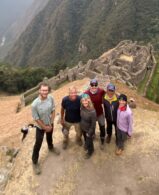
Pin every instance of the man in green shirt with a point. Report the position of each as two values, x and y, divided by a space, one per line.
43 112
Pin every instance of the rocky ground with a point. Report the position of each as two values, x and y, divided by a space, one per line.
135 172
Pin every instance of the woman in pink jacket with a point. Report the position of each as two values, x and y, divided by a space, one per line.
124 123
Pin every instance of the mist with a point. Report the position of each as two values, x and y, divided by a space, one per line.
10 11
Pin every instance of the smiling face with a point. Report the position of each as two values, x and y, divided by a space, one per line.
122 103
44 91
93 87
85 102
73 93
110 93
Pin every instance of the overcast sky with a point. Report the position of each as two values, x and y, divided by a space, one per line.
10 10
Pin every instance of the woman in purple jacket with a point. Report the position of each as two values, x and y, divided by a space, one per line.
124 123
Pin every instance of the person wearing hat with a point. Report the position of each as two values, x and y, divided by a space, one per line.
70 116
88 123
124 123
111 104
96 94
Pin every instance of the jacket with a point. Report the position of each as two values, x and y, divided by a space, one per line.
125 120
110 108
88 120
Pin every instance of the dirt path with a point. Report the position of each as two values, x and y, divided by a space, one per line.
104 173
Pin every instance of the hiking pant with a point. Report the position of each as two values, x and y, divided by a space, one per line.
88 143
68 125
110 127
121 137
38 142
101 123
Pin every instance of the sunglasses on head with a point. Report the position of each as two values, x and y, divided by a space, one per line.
93 84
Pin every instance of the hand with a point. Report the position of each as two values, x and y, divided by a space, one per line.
52 125
129 136
62 122
48 128
87 135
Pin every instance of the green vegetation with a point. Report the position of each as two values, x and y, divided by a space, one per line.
142 84
15 80
153 89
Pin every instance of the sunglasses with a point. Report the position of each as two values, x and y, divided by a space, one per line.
93 85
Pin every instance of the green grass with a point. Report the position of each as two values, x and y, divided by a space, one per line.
142 84
153 88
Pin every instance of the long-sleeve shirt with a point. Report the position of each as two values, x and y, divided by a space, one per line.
125 120
88 120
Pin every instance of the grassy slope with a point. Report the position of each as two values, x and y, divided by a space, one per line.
153 89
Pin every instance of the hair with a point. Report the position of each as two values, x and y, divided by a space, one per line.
45 85
90 104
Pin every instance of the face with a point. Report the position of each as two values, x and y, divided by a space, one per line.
44 91
73 94
85 102
122 103
110 93
93 87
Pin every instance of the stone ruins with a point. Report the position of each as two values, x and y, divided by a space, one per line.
128 62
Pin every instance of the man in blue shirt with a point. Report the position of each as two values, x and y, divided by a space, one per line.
70 115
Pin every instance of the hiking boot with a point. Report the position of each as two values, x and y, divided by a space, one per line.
87 155
36 169
85 147
94 137
55 151
65 144
102 146
79 142
119 152
108 139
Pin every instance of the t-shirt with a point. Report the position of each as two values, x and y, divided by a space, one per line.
97 100
42 109
72 109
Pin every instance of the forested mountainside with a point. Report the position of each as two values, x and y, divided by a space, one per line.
66 31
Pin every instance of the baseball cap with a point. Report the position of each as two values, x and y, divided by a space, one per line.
111 87
94 82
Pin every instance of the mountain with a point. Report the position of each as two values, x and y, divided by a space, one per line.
12 25
66 31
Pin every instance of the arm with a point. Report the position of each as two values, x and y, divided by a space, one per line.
62 115
93 124
53 110
53 116
130 122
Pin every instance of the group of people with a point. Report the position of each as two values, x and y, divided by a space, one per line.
82 112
